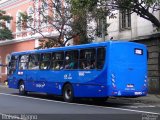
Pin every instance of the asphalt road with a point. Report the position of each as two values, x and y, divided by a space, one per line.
42 107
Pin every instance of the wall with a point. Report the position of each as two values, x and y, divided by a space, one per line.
153 45
139 27
14 47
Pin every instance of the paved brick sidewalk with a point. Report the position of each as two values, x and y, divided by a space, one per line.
150 98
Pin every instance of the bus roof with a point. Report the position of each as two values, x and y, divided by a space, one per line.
96 44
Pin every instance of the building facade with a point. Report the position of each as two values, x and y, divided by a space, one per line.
24 39
130 27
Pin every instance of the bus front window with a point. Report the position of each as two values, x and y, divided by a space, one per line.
12 65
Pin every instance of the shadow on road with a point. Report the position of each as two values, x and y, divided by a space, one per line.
111 102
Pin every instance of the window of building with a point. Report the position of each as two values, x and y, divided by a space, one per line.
1 67
125 19
30 13
71 60
45 6
36 11
45 61
100 57
8 58
57 61
23 62
34 62
101 27
18 22
87 59
56 13
8 23
44 13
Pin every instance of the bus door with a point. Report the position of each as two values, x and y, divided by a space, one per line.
43 74
11 72
42 80
32 72
50 71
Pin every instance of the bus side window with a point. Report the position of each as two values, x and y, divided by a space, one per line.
34 62
45 61
71 59
100 57
23 62
57 61
87 59
12 64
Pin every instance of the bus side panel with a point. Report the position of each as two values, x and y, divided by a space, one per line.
84 90
85 83
13 80
92 85
51 81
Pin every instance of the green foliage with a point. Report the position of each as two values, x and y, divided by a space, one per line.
91 10
70 21
80 6
151 2
97 8
5 33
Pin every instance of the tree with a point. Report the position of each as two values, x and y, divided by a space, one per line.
94 10
69 18
55 15
5 33
143 8
52 16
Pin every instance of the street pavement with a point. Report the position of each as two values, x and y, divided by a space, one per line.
43 107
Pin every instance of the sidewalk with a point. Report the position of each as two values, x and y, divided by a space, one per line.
5 84
150 98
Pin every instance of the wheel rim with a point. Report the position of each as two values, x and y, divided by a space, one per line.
21 87
68 93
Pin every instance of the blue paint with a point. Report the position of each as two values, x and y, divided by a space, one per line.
124 73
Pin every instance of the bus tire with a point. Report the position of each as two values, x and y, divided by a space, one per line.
22 90
68 93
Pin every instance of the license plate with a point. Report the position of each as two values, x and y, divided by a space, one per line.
130 85
138 93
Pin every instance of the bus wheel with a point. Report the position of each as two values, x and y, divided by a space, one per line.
22 89
68 93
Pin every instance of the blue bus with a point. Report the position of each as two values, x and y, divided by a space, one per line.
97 70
